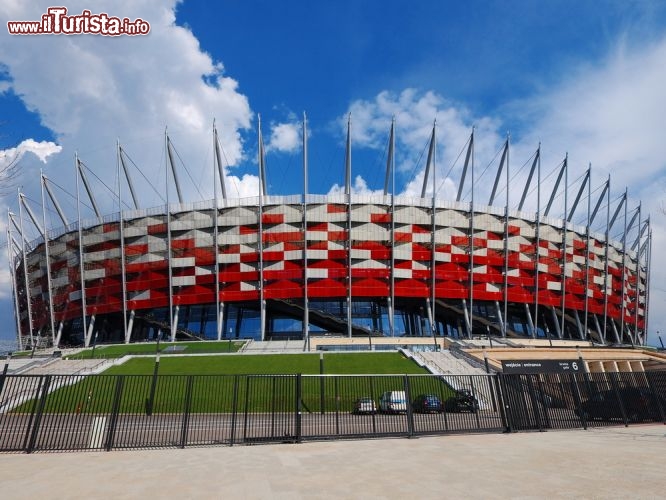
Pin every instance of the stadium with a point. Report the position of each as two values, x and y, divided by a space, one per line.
345 265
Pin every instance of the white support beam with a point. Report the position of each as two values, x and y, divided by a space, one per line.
25 275
349 227
564 244
537 236
172 163
49 283
86 184
587 249
89 333
433 231
135 198
260 242
54 200
172 329
306 299
121 234
471 240
217 167
84 309
12 271
505 156
130 326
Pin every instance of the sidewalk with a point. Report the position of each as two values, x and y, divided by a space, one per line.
615 462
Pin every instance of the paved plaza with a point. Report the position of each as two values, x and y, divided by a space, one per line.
614 462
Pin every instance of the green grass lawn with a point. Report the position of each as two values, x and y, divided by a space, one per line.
21 354
220 384
120 350
344 363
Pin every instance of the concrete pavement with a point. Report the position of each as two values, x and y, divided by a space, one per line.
615 462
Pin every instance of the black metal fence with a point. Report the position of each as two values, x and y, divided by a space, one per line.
104 412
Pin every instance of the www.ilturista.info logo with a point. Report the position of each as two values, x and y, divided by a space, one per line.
57 22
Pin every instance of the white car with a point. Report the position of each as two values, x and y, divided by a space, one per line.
364 406
393 402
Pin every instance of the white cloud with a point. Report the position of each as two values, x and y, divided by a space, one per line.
285 137
414 114
359 187
41 150
91 90
242 187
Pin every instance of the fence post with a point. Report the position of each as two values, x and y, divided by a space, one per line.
322 398
475 406
655 396
247 402
150 402
543 397
234 411
299 396
410 414
35 402
618 398
444 388
504 403
186 411
374 413
115 410
534 401
40 411
337 407
492 392
579 404
273 397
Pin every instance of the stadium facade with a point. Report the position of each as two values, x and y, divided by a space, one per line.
294 266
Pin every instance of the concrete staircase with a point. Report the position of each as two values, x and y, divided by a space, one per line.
69 367
445 363
456 371
273 347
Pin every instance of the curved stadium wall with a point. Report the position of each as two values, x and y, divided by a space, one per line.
404 267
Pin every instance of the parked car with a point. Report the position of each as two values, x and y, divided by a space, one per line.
549 401
639 405
393 402
462 400
427 403
365 406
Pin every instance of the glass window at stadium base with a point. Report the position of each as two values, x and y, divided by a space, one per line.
276 267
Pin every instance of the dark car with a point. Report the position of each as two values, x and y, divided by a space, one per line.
549 401
427 403
462 400
639 405
364 406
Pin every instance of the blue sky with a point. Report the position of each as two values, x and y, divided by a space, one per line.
584 78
